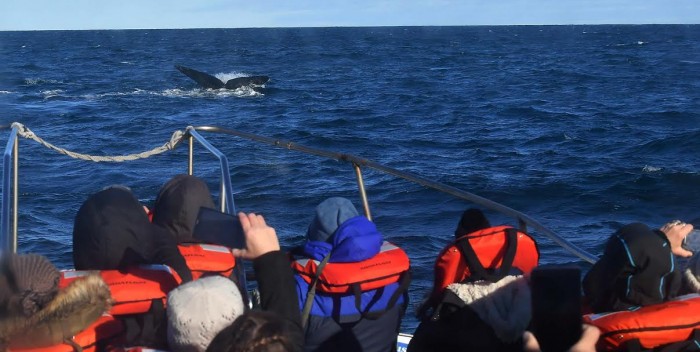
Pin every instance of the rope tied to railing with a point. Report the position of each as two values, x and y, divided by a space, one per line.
175 139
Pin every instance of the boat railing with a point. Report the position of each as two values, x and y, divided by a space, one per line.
10 166
8 235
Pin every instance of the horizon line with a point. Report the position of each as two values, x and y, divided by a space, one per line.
358 26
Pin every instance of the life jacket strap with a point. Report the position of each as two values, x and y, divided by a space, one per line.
306 312
404 282
478 272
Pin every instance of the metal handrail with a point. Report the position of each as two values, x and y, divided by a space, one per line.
226 194
10 243
227 204
358 162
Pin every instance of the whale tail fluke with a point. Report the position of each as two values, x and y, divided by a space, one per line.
253 81
208 81
203 79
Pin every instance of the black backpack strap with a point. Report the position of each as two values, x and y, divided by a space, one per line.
306 312
404 282
477 270
146 328
132 328
153 320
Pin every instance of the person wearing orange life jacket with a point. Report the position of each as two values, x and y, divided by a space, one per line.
176 209
112 232
633 290
480 299
353 318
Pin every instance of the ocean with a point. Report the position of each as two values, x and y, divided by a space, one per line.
583 128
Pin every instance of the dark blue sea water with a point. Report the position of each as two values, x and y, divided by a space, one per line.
583 128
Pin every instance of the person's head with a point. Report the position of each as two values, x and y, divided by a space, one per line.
472 220
177 205
330 214
109 231
255 331
112 231
197 311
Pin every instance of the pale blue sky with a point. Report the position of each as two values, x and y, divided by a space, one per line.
127 14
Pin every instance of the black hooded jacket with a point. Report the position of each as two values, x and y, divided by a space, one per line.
177 206
112 231
636 269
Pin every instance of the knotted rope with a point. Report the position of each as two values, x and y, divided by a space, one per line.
175 139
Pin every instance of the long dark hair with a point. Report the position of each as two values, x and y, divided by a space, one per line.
254 331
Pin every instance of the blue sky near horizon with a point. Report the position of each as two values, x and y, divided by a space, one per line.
147 14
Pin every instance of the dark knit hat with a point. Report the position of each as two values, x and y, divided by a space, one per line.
30 282
472 220
177 206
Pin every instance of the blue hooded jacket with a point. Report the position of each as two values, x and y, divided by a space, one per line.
356 239
335 324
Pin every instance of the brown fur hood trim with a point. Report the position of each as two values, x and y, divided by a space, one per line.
72 310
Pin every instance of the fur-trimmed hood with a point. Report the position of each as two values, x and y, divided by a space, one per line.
72 310
504 305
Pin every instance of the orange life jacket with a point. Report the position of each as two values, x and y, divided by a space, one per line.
207 258
104 328
650 326
132 290
487 254
383 269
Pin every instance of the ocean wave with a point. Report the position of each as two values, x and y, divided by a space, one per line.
52 93
40 81
639 42
242 92
180 93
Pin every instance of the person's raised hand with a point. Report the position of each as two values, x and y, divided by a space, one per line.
259 237
676 231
